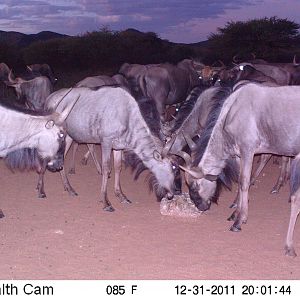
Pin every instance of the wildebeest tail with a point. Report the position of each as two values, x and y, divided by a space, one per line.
26 159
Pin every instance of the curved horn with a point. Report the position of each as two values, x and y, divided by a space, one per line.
222 64
65 113
168 146
195 173
185 156
234 59
294 61
11 78
189 141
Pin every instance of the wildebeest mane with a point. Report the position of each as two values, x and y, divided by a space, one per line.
137 166
187 106
25 159
216 105
96 88
230 173
148 109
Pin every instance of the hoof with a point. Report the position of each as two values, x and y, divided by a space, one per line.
1 214
274 191
42 195
84 162
127 201
233 205
109 208
231 218
72 171
71 192
290 252
235 228
123 199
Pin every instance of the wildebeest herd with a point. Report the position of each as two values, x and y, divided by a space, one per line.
224 116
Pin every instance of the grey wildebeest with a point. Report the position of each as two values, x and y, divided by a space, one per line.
94 82
4 71
110 116
242 130
33 92
32 141
36 70
100 80
166 84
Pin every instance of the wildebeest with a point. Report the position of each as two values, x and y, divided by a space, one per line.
94 82
4 71
33 92
100 80
110 116
37 70
242 130
29 140
166 84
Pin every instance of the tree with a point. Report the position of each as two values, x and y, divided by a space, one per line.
269 38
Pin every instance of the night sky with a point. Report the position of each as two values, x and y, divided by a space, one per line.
184 21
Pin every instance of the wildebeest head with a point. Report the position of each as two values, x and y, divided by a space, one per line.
4 71
16 83
51 140
167 174
202 189
42 70
208 74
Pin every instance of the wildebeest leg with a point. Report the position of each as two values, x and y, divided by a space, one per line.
234 203
74 150
237 197
105 156
93 154
295 205
65 180
1 214
118 167
262 162
40 184
295 209
283 176
241 214
85 158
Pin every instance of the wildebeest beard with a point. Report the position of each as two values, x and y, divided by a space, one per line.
26 159
137 166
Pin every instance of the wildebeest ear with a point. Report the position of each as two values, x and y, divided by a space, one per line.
29 68
211 177
157 155
49 124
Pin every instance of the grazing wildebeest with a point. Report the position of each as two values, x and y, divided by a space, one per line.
32 141
166 84
243 130
110 116
33 92
37 70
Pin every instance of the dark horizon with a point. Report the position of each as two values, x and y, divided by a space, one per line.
177 21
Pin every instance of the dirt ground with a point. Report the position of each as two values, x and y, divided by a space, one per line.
63 237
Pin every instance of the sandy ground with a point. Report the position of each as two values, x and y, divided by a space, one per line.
63 237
